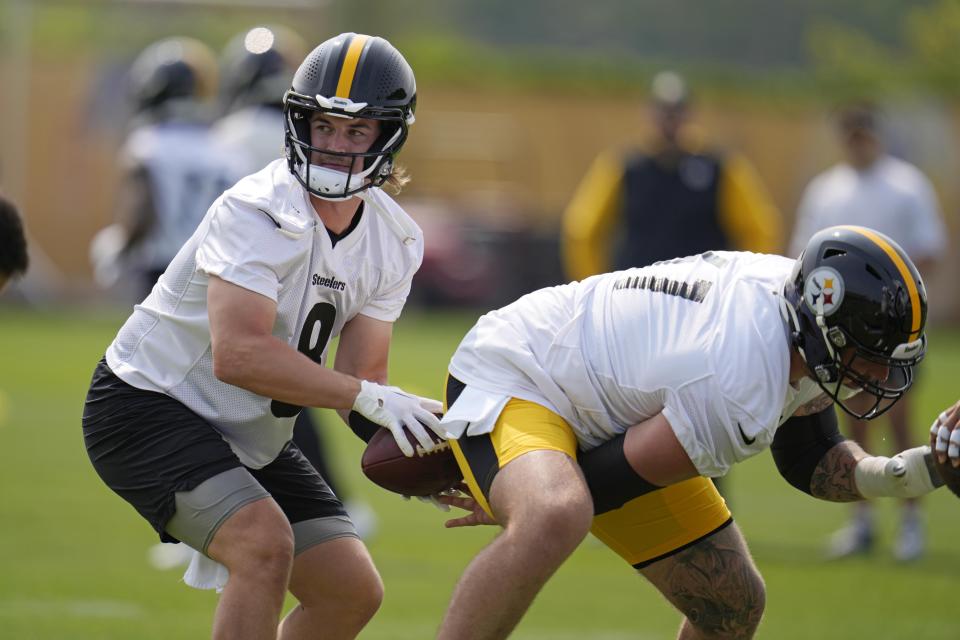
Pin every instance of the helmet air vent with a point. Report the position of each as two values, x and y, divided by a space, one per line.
389 79
313 68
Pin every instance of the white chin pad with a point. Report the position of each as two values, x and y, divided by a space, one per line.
330 182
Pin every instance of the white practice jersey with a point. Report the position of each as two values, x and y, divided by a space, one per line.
700 339
892 196
264 235
186 173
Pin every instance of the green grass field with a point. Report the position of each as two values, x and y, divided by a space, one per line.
73 555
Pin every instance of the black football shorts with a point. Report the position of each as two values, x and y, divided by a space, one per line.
148 448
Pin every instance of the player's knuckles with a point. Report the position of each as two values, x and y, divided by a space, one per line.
943 437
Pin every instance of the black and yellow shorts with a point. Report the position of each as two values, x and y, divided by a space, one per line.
642 531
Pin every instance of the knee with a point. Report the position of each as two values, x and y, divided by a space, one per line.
269 553
732 615
361 593
367 598
340 577
262 548
567 521
751 607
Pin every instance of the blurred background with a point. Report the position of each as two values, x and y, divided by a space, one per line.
516 100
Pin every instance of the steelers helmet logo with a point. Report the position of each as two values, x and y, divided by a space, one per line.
823 291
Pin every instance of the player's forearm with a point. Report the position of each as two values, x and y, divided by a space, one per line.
847 473
834 478
269 367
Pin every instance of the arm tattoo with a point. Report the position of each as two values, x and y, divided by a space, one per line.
717 588
833 479
816 405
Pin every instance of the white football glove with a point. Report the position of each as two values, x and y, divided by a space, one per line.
394 408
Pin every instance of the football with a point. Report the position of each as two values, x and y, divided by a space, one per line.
424 474
949 474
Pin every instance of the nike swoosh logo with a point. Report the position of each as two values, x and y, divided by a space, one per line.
747 441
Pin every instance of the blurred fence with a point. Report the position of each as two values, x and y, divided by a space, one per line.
500 159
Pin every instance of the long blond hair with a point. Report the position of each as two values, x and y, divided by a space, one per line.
397 179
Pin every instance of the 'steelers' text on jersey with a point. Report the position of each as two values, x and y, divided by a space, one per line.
262 235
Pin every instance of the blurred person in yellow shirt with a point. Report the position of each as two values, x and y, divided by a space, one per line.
675 198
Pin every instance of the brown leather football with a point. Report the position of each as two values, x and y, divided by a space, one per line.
424 474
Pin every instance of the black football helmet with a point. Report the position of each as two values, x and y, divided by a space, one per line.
854 299
349 76
173 69
257 67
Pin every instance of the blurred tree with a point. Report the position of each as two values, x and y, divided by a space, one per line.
850 60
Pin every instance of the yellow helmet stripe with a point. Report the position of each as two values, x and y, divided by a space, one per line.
904 273
350 65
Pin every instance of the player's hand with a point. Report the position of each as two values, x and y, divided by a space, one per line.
395 409
463 500
945 435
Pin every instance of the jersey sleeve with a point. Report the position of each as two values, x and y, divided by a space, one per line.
713 429
246 247
388 299
700 426
732 414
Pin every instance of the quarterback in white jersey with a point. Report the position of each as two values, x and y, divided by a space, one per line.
263 236
189 416
602 405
